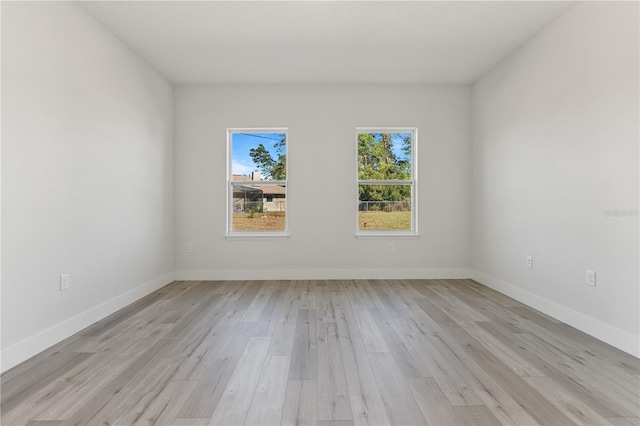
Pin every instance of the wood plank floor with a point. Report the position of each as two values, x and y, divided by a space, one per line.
342 352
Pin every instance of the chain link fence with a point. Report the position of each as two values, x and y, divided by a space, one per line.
241 206
247 206
384 206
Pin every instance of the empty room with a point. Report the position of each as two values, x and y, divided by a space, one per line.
321 213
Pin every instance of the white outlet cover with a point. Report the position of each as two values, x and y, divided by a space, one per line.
590 278
64 282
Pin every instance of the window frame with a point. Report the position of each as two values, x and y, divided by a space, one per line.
275 234
413 182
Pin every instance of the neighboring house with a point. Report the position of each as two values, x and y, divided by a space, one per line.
258 197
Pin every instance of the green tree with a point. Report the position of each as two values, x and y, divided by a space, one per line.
377 160
270 167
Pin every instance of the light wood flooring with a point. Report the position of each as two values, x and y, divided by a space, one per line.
346 352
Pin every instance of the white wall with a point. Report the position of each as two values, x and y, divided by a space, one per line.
87 175
321 159
555 144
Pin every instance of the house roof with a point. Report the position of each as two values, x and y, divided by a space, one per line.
247 188
267 189
237 178
272 189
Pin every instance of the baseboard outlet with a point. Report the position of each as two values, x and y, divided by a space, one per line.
320 274
614 336
26 348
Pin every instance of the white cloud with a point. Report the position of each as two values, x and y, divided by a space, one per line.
241 169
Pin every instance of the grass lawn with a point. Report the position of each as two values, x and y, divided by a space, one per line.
267 221
367 221
384 221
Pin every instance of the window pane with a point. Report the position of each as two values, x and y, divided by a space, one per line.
259 156
384 156
258 181
384 207
258 207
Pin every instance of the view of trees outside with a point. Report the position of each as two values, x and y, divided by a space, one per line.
384 180
258 206
387 157
272 167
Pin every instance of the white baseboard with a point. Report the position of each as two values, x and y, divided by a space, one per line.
32 345
26 348
614 336
320 274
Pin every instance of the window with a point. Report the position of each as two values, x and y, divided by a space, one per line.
257 186
386 181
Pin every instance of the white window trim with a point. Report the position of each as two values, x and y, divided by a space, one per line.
243 235
400 234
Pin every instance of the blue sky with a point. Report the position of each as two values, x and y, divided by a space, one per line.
241 143
397 145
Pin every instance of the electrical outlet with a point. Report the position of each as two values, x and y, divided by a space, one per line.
64 282
189 248
590 278
530 262
392 247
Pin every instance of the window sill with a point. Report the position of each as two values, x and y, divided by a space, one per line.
257 236
386 236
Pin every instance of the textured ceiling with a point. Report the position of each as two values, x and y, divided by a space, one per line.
443 42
